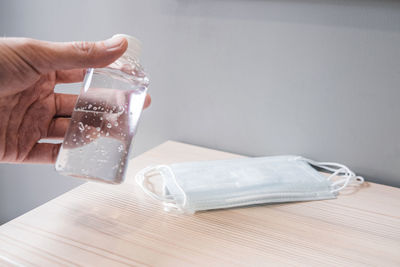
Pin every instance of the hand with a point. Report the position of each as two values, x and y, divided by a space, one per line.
29 108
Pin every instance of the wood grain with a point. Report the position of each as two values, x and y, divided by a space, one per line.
106 225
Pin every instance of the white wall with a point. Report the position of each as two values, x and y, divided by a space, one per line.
318 78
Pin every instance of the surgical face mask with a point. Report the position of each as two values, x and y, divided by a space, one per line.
193 186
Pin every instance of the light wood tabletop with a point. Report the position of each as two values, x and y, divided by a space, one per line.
116 225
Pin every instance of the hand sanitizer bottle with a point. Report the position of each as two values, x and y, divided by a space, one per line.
105 118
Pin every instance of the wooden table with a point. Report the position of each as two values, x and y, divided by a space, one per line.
105 225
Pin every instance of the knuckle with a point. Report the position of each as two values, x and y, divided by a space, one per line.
84 51
26 42
84 47
29 46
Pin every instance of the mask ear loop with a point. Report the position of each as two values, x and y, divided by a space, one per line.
337 170
169 203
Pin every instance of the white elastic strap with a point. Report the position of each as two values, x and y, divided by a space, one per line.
340 170
142 179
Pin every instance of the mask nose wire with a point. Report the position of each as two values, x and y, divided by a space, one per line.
142 179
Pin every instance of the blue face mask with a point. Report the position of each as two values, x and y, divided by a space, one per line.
193 186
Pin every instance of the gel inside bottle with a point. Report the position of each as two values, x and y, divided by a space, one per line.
105 118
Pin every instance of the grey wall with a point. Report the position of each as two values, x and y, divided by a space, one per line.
318 78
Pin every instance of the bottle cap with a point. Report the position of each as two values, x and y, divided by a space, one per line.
134 46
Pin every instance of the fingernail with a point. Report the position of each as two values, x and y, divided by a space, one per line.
113 43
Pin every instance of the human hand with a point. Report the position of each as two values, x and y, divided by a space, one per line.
29 108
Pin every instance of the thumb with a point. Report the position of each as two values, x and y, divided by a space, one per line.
48 56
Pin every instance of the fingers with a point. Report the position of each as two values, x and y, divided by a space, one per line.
65 104
147 101
43 153
70 76
57 128
49 56
47 153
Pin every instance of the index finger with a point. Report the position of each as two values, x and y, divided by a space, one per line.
65 104
70 76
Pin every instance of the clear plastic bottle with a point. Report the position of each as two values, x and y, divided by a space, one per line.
105 118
